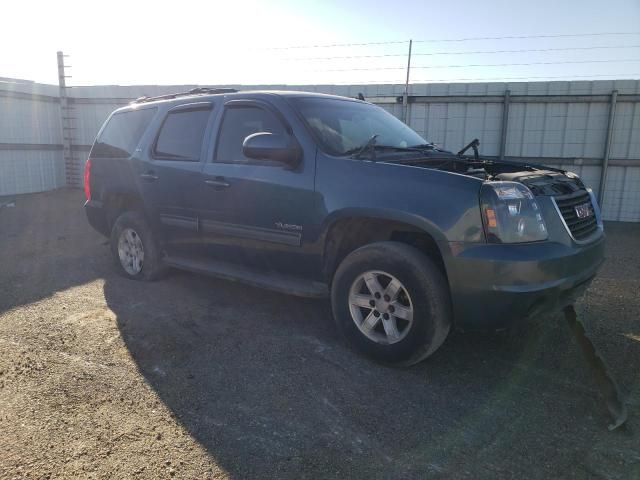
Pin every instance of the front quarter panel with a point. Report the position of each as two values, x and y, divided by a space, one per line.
443 204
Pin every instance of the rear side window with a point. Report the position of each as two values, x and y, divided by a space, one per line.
238 124
121 135
181 135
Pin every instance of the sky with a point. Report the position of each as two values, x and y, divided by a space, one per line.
254 42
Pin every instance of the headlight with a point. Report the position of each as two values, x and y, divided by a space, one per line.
510 213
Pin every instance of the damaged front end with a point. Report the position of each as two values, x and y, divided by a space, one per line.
543 241
512 193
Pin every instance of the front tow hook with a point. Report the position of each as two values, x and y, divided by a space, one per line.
605 381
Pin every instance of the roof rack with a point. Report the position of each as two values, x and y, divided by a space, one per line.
193 91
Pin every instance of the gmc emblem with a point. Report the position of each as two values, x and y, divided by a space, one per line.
584 210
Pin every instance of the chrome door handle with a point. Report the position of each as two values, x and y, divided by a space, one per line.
149 176
217 183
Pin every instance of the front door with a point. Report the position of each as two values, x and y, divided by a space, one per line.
255 212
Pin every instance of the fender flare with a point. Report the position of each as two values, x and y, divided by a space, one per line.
416 221
384 214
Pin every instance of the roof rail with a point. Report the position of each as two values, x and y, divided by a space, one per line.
193 91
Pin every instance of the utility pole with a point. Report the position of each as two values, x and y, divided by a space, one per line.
72 171
405 96
505 123
607 146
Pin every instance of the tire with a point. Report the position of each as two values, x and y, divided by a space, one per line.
132 229
421 310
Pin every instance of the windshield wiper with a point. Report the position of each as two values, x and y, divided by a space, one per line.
358 151
425 146
371 147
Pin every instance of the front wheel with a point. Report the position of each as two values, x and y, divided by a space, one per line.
134 247
391 302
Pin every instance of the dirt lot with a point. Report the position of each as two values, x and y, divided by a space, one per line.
191 377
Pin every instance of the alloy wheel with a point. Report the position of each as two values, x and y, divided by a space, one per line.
381 307
131 251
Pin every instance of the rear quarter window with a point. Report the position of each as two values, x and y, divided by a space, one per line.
121 135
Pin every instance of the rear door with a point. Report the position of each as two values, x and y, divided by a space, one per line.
171 174
115 152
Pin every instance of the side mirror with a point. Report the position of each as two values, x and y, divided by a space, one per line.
271 146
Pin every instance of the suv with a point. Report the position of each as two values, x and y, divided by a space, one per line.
318 195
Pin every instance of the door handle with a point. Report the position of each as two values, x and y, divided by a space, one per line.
149 176
218 182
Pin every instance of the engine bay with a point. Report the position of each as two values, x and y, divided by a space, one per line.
539 179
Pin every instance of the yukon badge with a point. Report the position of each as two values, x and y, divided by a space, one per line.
289 226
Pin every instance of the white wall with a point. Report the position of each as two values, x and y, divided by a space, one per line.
28 120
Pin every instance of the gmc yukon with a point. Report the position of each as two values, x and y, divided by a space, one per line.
319 195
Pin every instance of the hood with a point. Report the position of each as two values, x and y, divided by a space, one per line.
539 179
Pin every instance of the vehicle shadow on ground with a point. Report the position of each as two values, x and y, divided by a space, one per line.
46 247
264 382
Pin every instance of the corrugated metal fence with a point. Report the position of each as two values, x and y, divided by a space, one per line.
567 124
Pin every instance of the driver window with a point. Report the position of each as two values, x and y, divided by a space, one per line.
238 123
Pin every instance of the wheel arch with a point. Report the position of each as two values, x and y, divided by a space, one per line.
116 202
349 229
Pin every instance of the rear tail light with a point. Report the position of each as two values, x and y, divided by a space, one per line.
87 179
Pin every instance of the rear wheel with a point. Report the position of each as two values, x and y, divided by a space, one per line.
391 302
134 247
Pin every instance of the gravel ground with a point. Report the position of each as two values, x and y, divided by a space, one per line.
192 377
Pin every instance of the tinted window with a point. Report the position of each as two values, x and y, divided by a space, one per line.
122 134
181 135
238 124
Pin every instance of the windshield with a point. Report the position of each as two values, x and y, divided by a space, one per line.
343 125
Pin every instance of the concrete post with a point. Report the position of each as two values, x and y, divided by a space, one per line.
72 173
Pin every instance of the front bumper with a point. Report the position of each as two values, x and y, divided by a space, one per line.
494 285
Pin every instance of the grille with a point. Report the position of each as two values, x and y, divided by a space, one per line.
580 228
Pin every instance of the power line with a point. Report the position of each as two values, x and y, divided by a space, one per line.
400 82
479 65
336 45
511 37
427 80
514 37
530 50
530 63
350 57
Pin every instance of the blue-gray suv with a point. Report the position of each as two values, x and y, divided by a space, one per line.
320 195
